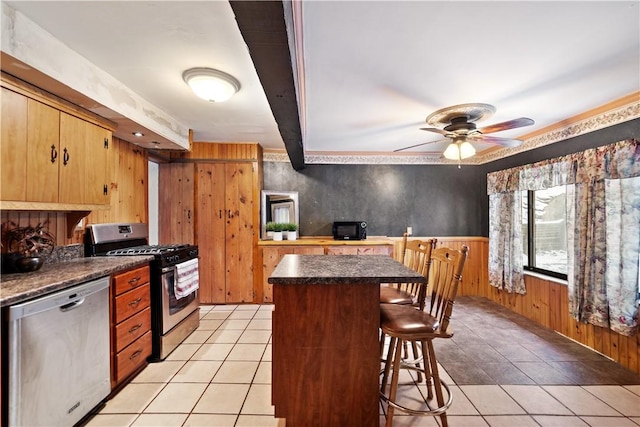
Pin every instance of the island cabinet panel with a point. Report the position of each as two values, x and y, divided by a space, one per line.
226 204
131 324
320 334
326 320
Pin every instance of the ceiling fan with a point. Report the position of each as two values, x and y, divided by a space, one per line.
458 123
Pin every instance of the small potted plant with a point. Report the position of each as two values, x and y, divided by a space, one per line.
270 227
26 246
278 228
292 230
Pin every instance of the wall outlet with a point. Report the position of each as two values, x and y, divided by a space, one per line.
409 231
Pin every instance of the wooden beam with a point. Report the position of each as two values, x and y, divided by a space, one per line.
262 24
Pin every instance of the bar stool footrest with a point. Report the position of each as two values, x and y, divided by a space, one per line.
431 411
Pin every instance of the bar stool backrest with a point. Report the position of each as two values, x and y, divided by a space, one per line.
417 256
445 277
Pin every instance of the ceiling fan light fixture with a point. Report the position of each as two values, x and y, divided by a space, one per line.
459 150
467 150
452 152
211 85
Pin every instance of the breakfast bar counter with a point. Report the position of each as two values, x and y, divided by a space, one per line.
325 337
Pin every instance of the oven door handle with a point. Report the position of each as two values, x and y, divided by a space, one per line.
168 269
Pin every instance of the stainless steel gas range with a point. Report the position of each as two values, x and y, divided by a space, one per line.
174 280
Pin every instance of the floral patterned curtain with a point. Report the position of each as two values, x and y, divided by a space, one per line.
603 230
505 231
505 243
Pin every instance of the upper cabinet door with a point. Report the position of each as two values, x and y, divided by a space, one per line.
98 144
50 156
84 162
43 158
13 146
73 159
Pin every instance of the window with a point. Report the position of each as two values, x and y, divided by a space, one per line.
545 231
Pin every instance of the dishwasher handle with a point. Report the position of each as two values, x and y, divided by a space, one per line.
72 305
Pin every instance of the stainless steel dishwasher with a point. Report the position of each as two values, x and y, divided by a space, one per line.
59 356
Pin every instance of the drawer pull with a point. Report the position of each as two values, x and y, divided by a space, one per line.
135 355
135 302
135 328
134 281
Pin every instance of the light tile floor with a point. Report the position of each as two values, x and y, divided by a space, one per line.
221 376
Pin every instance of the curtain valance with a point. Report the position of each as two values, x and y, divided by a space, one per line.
613 161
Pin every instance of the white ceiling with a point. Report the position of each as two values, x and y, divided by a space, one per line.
372 70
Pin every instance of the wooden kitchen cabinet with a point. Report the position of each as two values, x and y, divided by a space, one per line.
50 156
84 152
222 186
176 200
13 146
226 219
131 324
359 250
272 255
30 144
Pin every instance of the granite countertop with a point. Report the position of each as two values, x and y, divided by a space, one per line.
20 287
334 269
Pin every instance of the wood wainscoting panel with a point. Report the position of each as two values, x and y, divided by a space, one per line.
546 303
475 275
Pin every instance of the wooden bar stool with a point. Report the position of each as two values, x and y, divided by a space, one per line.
416 254
403 323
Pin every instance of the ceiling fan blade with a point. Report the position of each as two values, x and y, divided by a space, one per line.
419 145
505 142
511 124
436 130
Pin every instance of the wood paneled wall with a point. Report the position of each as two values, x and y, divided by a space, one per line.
545 303
475 274
221 151
128 192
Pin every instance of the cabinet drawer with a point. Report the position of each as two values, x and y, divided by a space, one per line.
132 328
131 279
129 359
131 303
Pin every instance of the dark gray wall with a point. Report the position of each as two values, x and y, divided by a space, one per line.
435 200
388 197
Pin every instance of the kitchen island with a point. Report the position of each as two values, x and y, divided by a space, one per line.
325 337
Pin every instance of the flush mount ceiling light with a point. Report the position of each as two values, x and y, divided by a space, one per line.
211 85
